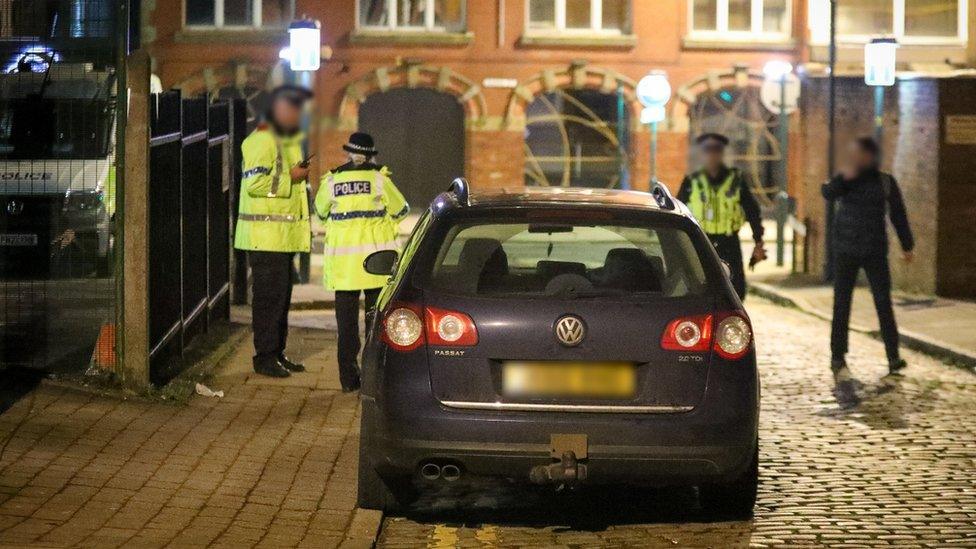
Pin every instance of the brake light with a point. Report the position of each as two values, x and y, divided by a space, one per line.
733 336
407 327
693 333
450 328
403 329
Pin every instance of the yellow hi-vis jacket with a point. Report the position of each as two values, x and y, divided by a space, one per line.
718 209
361 208
273 211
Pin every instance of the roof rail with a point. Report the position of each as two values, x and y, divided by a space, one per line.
460 189
665 200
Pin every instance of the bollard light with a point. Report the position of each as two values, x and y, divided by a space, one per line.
304 52
880 58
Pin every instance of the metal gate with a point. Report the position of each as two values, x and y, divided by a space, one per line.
189 225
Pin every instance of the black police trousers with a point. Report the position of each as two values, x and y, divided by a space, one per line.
271 273
846 267
730 250
347 320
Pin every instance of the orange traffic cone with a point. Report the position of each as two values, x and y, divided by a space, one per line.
104 355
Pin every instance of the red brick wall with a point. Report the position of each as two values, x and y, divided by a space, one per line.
659 25
495 159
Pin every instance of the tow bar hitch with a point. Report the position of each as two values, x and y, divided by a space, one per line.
569 450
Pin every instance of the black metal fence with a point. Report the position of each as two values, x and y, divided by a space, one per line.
190 179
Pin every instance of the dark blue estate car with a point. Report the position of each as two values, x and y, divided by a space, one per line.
558 336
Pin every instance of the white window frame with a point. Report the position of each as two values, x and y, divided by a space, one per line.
393 15
820 28
256 7
757 32
596 21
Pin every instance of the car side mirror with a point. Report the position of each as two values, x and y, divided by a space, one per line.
381 263
726 269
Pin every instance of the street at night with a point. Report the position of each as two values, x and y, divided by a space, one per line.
273 464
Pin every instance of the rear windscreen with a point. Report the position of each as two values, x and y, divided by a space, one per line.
566 260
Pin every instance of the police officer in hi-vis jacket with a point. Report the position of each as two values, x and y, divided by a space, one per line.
273 223
361 208
719 197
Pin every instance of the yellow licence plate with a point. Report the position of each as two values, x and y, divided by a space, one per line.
569 379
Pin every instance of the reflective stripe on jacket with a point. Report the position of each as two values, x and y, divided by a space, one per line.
361 209
717 208
273 212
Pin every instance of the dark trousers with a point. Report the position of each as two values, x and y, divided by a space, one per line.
730 250
846 267
271 273
347 320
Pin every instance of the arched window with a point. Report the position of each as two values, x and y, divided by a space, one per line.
576 138
738 113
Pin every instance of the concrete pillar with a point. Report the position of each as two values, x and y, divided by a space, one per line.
134 334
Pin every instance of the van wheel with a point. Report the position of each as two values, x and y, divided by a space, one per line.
373 491
736 499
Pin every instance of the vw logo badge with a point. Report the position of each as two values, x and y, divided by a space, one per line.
570 330
15 207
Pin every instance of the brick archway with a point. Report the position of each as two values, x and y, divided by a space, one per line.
729 101
441 79
241 76
576 76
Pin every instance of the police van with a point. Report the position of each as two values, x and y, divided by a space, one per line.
56 172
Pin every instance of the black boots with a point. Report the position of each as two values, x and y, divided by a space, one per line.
289 365
271 368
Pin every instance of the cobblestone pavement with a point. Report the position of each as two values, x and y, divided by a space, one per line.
898 468
271 464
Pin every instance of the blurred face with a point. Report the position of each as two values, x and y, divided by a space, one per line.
712 155
858 158
287 115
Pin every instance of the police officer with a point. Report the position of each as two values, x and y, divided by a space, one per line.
273 223
362 208
719 197
865 196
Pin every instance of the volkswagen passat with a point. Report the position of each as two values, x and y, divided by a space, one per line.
558 336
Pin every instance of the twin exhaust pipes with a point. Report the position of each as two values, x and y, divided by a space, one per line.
431 471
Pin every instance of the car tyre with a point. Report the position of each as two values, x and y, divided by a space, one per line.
736 499
373 492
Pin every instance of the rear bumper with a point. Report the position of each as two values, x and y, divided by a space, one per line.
714 442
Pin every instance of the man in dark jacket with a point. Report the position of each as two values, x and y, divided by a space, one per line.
865 197
719 197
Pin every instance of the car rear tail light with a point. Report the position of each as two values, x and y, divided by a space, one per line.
733 336
402 328
693 333
407 327
450 328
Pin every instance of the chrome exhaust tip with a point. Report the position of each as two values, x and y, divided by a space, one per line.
450 473
430 471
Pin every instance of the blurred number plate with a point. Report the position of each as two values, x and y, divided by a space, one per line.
569 379
18 240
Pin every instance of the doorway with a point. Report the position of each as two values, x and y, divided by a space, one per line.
419 134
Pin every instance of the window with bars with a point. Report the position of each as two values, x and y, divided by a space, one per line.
741 19
594 16
412 15
238 13
909 21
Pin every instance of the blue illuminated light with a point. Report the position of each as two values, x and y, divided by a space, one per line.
36 58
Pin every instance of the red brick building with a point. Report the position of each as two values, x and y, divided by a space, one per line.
542 91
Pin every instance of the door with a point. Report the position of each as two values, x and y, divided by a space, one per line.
419 134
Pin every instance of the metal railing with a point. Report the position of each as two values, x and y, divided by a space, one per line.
190 182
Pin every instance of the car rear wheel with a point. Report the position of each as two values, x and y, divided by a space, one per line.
735 499
373 491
